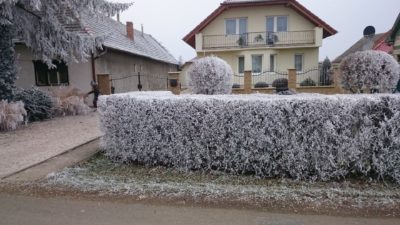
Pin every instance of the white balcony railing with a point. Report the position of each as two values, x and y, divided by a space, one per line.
259 39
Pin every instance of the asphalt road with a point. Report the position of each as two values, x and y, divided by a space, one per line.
18 210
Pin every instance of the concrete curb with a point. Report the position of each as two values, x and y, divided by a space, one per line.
78 159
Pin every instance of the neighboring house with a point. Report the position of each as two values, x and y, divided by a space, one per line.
261 35
183 78
373 42
394 38
125 53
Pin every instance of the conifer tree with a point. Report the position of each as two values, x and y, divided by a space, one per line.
7 67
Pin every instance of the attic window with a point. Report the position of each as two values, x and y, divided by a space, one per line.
51 77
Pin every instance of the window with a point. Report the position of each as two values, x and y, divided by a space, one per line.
230 26
281 24
256 63
241 65
236 26
51 77
270 24
277 24
272 63
298 62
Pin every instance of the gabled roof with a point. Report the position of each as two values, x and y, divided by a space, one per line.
395 30
378 44
327 30
115 38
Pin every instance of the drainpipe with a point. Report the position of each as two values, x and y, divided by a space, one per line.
93 68
93 61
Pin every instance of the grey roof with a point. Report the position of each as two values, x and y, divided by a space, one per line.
115 37
358 46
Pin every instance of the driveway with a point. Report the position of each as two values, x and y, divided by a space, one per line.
37 142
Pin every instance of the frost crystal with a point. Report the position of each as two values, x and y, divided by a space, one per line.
311 137
210 76
375 70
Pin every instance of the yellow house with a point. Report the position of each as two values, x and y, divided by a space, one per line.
267 37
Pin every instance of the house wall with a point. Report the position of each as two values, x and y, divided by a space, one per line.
115 63
256 19
79 74
396 47
284 58
121 65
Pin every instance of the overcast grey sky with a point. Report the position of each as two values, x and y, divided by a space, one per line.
170 20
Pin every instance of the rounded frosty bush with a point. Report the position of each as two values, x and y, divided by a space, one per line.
210 76
374 70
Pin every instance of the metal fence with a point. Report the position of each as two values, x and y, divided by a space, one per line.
238 80
270 79
139 82
318 76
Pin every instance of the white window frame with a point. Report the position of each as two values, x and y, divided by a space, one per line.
261 66
272 67
302 61
275 19
244 64
237 23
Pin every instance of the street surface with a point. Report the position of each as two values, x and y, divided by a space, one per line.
21 210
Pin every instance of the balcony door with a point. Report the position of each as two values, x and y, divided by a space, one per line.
237 27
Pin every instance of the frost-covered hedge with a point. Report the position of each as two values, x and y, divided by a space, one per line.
302 136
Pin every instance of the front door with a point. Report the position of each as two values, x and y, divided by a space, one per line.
104 84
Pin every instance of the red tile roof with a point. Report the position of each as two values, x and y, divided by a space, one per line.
327 30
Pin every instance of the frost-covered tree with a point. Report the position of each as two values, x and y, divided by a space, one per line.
369 69
7 67
43 26
210 76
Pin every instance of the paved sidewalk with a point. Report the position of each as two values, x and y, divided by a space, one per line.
40 141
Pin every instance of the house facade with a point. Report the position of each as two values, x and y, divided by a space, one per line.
264 37
126 53
394 39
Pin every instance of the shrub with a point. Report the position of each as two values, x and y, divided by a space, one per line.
210 76
311 137
11 115
235 85
69 101
308 83
261 85
281 84
369 69
39 104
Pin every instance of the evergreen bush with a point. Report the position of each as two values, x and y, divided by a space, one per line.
308 83
39 104
261 85
281 84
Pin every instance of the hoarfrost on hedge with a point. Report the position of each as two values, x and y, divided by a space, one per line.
210 76
311 137
369 69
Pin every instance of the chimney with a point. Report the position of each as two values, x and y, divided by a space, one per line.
142 31
129 30
118 17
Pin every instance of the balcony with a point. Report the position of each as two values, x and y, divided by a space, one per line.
260 40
